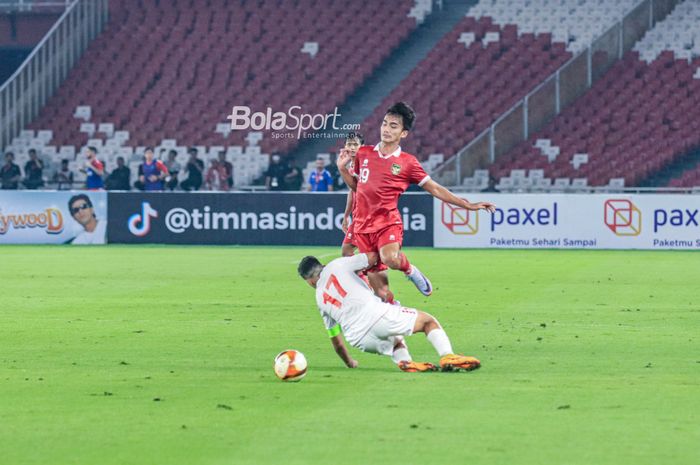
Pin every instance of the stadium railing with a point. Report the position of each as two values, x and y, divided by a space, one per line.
559 90
11 6
36 80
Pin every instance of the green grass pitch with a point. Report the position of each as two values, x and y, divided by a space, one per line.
163 355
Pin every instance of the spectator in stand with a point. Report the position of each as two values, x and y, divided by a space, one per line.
194 170
10 173
294 177
320 179
491 186
33 171
228 167
94 169
332 169
119 178
152 173
274 177
173 168
63 177
216 176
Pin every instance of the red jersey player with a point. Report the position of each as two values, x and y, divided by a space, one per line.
377 279
380 175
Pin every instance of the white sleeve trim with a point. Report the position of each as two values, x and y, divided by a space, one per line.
424 180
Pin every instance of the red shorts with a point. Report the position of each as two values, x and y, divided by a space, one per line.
372 242
349 236
351 239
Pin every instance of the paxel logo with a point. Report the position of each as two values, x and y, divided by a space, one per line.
545 216
460 220
675 218
623 217
140 223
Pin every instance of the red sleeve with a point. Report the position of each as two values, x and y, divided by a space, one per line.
98 164
416 173
356 164
161 167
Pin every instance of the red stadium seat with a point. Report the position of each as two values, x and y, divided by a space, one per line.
218 55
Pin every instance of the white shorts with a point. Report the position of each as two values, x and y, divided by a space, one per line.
388 330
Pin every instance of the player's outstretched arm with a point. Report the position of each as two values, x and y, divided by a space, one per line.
360 261
342 351
440 192
342 162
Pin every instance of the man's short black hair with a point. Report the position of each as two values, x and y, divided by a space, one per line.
93 149
75 198
406 113
172 152
355 135
192 150
308 267
149 149
10 154
32 151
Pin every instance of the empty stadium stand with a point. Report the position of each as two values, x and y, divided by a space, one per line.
175 71
167 76
488 62
640 117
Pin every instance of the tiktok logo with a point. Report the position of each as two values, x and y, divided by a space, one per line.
140 224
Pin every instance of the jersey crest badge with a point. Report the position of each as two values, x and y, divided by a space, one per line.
395 169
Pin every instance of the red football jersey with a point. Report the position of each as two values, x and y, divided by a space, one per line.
381 179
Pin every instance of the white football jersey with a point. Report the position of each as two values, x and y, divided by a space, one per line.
344 298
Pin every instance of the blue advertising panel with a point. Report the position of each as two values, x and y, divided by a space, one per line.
248 218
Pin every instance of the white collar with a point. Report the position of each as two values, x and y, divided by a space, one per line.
395 153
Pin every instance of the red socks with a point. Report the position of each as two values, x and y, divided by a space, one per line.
405 266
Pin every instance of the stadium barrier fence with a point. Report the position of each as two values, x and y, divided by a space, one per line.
43 217
561 221
248 218
577 221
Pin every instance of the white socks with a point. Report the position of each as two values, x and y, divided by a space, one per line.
438 338
400 355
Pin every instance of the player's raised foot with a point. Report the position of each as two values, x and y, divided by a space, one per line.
421 282
414 367
452 362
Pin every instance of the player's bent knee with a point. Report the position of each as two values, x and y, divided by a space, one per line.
425 323
391 261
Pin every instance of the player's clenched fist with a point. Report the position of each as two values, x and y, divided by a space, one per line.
343 158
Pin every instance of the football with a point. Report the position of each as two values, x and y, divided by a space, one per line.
290 365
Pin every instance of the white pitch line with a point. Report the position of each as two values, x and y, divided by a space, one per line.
318 256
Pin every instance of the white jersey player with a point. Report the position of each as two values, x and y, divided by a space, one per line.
349 306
